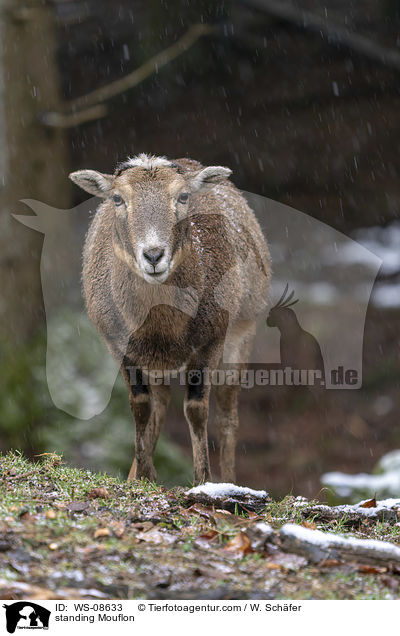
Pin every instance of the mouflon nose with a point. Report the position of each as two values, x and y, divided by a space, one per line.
154 255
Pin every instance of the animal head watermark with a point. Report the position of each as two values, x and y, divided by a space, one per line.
26 615
319 329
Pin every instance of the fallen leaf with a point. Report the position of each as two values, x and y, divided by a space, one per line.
371 569
240 544
371 503
101 532
51 514
210 535
101 493
331 563
223 514
309 524
242 508
273 566
204 511
205 539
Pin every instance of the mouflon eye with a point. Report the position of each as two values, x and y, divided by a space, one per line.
183 198
117 199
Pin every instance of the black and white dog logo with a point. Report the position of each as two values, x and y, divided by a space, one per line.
26 615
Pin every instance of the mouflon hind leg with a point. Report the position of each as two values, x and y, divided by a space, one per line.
196 408
227 423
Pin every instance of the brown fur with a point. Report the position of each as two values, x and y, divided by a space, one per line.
214 252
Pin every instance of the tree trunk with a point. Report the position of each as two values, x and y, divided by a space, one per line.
33 158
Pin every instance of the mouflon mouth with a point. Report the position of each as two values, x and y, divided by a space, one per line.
156 277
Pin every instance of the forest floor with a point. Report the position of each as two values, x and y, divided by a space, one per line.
68 534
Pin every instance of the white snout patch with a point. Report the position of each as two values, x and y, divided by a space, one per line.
158 272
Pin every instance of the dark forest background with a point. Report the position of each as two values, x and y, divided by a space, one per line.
300 99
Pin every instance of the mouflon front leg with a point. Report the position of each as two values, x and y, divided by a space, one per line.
148 405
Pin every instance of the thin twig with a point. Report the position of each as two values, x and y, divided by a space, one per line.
89 106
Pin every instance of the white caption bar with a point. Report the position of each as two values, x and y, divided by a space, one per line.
84 617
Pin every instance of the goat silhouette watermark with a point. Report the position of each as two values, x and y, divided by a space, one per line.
299 349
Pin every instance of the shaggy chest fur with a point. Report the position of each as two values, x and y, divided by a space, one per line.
176 325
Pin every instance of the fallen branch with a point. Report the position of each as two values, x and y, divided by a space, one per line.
228 497
320 546
385 510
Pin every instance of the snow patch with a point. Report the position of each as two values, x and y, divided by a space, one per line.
384 481
345 485
389 462
226 490
264 528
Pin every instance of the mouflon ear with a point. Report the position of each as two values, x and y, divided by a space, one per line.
93 182
206 178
